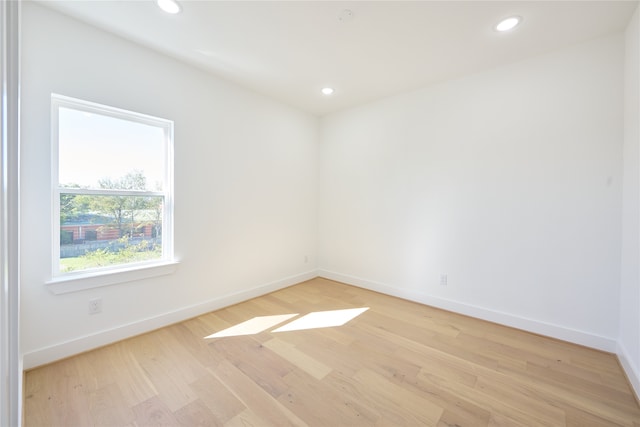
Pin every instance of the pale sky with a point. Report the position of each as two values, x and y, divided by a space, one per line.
93 146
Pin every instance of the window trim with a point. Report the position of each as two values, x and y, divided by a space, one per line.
61 282
80 281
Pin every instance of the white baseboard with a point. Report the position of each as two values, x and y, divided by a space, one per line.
59 351
531 325
630 368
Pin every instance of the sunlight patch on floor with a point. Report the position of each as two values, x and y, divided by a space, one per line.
322 319
252 326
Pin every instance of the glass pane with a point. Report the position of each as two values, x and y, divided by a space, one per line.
102 231
98 151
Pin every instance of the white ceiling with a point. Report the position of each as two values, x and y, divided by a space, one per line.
289 50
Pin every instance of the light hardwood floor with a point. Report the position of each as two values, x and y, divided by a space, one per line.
398 363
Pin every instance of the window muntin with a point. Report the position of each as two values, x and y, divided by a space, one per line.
112 175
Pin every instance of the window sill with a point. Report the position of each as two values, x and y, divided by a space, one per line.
80 282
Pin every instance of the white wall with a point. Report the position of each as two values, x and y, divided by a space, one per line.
508 181
629 338
245 183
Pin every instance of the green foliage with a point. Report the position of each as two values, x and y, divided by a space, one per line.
70 204
128 214
134 180
130 253
67 207
124 211
122 208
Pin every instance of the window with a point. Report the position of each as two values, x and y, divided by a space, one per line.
112 189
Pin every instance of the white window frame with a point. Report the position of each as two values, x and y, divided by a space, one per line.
79 280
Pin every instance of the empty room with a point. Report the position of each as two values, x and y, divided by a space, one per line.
320 213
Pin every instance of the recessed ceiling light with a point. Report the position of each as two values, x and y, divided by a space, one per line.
327 90
508 23
169 6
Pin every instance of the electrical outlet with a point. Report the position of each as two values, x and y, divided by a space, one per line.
306 259
95 306
443 280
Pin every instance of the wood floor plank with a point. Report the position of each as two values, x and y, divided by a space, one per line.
492 403
154 357
578 418
256 361
316 369
457 410
325 349
196 414
441 368
255 398
95 369
522 398
395 369
303 388
107 407
247 418
220 401
398 363
411 408
559 375
58 394
500 420
154 412
134 384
